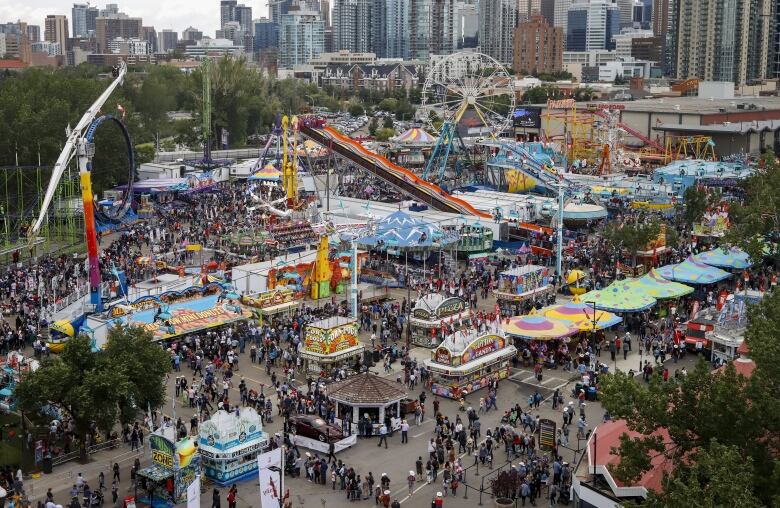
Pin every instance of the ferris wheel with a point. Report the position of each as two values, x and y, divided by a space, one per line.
469 86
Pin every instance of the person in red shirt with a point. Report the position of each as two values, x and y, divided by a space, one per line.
231 497
438 502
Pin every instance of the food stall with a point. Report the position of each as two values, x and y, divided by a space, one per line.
267 304
330 343
725 344
230 444
466 362
174 467
368 396
520 284
434 312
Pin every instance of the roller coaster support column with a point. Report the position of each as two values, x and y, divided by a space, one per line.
85 151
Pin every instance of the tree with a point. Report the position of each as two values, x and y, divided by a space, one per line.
99 388
388 122
388 104
356 110
722 428
144 153
756 222
384 134
631 237
697 201
373 125
540 94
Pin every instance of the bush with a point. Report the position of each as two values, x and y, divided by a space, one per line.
384 134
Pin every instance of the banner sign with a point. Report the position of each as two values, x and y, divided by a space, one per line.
269 468
193 493
326 341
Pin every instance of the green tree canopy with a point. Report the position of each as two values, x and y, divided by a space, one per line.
383 134
101 388
723 428
631 237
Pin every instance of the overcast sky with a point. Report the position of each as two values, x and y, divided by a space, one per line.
175 14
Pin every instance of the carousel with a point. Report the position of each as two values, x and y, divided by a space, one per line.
331 343
467 361
411 148
432 314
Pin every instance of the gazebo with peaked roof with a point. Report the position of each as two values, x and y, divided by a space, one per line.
368 396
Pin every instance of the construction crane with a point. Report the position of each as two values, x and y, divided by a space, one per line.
79 143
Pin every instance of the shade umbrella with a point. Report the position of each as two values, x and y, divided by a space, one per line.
732 257
619 296
535 327
581 315
691 271
652 284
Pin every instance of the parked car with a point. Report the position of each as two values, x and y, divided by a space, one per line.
314 427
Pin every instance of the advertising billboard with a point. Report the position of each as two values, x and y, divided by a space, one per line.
528 117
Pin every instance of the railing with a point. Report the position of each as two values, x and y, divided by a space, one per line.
61 459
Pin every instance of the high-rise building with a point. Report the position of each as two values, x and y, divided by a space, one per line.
110 10
231 10
301 37
33 33
527 8
117 25
466 30
660 17
56 30
279 8
562 14
167 40
149 34
266 34
78 17
497 22
191 34
592 25
420 18
716 40
352 23
547 9
626 9
538 46
325 11
442 27
391 28
776 62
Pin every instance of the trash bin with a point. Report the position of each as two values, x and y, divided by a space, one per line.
592 393
47 465
377 356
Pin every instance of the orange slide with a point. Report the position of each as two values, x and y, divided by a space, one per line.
378 161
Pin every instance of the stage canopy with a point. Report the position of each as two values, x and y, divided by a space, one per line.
733 258
652 284
691 271
619 296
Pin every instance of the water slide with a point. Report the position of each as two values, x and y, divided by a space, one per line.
634 132
402 179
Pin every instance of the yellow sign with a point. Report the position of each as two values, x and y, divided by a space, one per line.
162 458
194 247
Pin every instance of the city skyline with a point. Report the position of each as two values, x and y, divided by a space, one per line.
177 15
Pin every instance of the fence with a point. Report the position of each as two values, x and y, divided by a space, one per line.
61 459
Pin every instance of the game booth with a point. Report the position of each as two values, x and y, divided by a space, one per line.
466 362
529 282
432 314
175 464
173 313
331 343
368 395
268 304
230 444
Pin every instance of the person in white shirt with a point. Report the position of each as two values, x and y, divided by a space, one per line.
404 432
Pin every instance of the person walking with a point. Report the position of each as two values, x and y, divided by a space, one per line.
116 472
410 481
382 435
231 497
404 432
215 502
332 452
